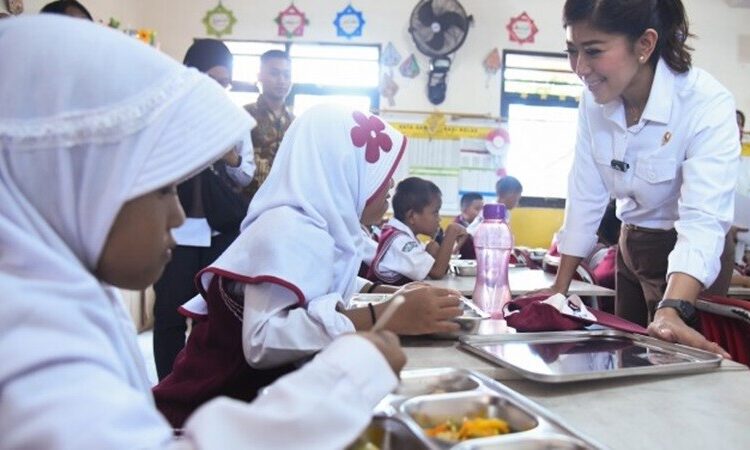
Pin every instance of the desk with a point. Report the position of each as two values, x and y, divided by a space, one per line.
522 280
739 292
695 411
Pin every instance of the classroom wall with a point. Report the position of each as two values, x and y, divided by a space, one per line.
719 27
722 47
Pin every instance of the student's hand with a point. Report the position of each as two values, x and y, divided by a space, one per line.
426 310
668 326
455 230
388 344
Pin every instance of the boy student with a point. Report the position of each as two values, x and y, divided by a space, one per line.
471 207
400 257
508 190
72 376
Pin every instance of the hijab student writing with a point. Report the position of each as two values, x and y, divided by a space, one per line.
281 291
90 154
658 136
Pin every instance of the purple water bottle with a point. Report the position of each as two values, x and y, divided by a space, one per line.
493 243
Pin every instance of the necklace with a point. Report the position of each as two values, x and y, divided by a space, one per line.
633 114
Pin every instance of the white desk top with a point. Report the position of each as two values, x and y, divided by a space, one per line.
696 411
522 280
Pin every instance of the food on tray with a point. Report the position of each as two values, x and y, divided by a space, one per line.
363 444
468 429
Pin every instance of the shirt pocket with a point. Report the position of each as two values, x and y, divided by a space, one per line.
654 182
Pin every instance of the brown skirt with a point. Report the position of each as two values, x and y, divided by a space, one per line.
642 271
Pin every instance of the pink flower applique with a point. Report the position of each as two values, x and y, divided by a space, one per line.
369 131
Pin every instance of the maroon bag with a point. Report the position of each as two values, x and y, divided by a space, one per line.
557 313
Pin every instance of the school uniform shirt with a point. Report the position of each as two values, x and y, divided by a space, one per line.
681 158
406 256
467 249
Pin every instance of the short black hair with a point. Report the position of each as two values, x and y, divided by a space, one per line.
741 116
469 198
413 194
274 54
207 53
508 185
59 7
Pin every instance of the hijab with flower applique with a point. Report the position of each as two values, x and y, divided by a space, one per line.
302 230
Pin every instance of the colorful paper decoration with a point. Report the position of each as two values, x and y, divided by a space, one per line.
388 88
349 22
491 65
435 124
145 35
219 21
492 62
291 22
522 29
409 68
390 57
497 142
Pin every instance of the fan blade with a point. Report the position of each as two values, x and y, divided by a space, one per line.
425 14
451 19
437 42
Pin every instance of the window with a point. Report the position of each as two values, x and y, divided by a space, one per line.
339 73
540 100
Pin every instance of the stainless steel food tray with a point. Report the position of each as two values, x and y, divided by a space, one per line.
558 357
434 394
469 322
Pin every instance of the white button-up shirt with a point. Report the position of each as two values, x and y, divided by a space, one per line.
682 159
406 256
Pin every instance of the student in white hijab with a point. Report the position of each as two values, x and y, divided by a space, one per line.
96 129
282 290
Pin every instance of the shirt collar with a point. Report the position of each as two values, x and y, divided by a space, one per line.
401 226
659 105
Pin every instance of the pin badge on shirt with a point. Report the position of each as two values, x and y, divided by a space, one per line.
666 138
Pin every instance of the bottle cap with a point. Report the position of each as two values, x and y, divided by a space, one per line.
494 211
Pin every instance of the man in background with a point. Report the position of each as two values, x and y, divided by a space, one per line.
271 113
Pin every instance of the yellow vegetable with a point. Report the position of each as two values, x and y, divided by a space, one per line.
469 429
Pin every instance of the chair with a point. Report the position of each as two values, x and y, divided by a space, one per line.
523 257
726 321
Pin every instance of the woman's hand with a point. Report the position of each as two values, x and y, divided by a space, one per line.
388 344
668 326
426 310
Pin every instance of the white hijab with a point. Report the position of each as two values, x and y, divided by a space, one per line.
89 119
302 230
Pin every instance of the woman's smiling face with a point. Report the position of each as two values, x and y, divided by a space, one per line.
606 63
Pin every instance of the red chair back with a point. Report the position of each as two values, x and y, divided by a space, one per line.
726 321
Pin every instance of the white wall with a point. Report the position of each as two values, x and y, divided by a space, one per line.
718 27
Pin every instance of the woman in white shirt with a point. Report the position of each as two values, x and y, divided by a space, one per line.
94 136
658 136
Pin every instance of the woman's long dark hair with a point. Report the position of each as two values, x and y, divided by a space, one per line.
632 18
